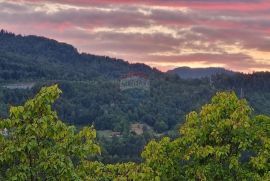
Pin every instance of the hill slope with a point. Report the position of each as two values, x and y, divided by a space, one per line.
92 94
32 57
91 84
187 72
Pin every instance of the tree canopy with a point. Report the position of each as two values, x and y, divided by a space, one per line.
39 146
222 141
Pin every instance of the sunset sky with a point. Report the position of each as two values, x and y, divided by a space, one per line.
234 34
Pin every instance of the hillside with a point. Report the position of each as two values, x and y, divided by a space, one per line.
35 58
90 84
92 94
187 72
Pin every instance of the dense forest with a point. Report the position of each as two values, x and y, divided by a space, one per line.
187 72
224 140
91 94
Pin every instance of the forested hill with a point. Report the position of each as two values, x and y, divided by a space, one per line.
34 58
91 93
187 72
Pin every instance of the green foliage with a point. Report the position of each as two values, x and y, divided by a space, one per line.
260 163
160 126
123 148
39 146
216 138
117 172
163 158
221 142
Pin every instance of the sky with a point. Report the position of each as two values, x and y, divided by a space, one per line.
234 34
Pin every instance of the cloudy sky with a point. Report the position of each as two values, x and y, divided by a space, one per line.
234 34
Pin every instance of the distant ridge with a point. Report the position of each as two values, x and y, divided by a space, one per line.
34 58
187 72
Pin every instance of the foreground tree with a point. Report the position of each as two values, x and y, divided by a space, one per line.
38 146
215 139
221 142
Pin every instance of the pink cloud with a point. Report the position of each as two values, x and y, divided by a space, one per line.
240 21
237 5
